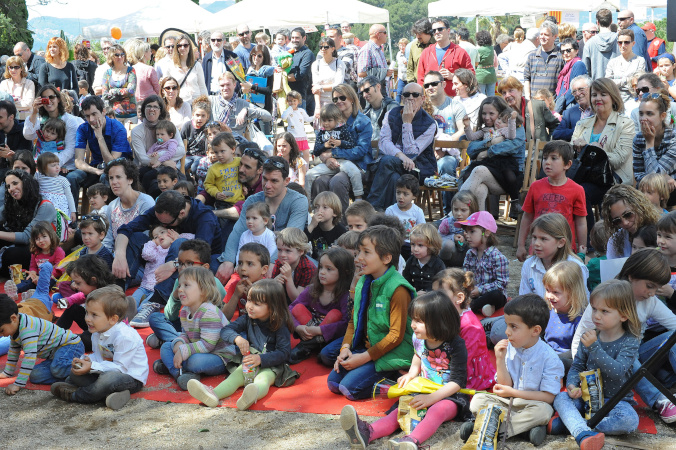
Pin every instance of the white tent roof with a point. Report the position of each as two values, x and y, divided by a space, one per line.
647 4
274 13
445 8
151 17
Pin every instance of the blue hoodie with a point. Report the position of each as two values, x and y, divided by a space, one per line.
598 51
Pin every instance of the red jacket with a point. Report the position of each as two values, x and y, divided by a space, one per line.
654 49
455 58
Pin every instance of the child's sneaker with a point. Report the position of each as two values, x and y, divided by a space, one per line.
160 368
141 318
248 398
667 411
537 435
63 390
153 341
183 379
488 310
403 443
117 400
466 430
556 426
11 290
28 294
590 440
203 393
358 431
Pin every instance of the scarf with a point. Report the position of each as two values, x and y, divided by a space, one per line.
359 338
149 136
227 106
564 77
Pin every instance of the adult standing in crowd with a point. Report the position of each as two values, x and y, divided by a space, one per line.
346 55
288 206
187 71
514 57
214 62
622 68
147 83
538 120
106 44
245 46
17 84
49 104
485 63
85 69
609 130
588 30
119 85
445 57
233 111
179 111
33 62
625 21
11 135
163 65
573 67
466 87
580 87
328 71
406 143
376 105
338 182
371 60
422 30
261 67
466 45
544 64
601 48
300 74
58 71
656 46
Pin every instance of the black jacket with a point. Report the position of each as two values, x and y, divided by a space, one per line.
207 64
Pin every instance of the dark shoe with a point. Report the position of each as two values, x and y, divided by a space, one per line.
466 430
515 209
182 380
63 390
117 400
556 427
160 368
590 440
537 435
358 431
403 443
300 353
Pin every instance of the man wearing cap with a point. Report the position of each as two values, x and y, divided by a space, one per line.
625 21
656 47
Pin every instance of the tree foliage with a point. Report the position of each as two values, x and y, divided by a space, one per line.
13 25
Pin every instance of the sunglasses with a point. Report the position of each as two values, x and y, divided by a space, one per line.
183 46
592 32
278 164
50 97
257 55
178 264
620 19
438 30
365 90
340 98
644 89
253 153
121 158
411 94
118 55
324 47
627 215
94 217
217 40
171 88
623 42
14 67
244 33
568 50
432 84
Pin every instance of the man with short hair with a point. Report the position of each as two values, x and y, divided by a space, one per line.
107 140
625 20
656 46
377 105
300 75
371 59
287 206
162 66
11 136
407 145
445 57
250 171
471 49
33 61
600 49
346 27
245 46
422 30
214 62
345 54
580 87
544 64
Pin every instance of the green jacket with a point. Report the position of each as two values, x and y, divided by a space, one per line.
378 318
485 72
413 57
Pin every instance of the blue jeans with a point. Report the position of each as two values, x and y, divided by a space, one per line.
330 352
141 295
44 280
165 330
96 387
487 89
448 164
134 249
191 163
400 88
622 419
357 383
383 190
644 388
80 179
198 363
58 368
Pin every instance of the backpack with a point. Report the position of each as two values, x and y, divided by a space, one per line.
61 223
591 165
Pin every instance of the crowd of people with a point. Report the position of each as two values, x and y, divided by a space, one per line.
233 251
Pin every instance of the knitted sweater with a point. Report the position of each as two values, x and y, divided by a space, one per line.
201 332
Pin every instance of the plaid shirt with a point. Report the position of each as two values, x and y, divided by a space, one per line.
542 71
651 160
491 272
371 56
303 274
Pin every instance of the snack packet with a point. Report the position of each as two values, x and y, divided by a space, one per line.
15 273
486 426
592 391
407 416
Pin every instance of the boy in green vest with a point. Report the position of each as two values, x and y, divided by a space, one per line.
378 339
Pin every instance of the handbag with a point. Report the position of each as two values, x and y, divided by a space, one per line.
257 136
591 165
186 76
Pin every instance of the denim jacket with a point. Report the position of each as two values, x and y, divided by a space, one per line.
361 153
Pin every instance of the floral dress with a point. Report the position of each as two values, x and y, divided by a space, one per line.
119 93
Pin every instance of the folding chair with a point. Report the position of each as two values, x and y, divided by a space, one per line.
530 172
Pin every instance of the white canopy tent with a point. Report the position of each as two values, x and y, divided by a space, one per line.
454 8
151 17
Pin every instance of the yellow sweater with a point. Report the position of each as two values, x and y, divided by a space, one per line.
224 178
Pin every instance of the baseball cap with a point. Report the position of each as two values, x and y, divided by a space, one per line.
649 26
482 219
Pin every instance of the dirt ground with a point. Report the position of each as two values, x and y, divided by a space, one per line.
35 419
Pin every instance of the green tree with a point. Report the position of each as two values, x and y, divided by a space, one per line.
13 25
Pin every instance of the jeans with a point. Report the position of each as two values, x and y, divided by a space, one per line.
383 189
141 295
198 363
80 179
622 419
644 388
448 164
165 330
346 166
487 89
134 249
357 383
4 345
191 163
58 368
330 352
96 387
400 88
42 289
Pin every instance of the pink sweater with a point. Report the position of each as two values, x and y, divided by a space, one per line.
147 83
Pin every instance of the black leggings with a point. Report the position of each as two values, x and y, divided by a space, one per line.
76 313
14 254
495 298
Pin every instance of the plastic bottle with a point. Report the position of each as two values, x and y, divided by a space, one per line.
249 372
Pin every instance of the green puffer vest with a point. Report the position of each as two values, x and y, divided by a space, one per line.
378 318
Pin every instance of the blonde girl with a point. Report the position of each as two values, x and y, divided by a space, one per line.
424 261
453 248
265 350
198 349
566 294
655 186
612 348
458 284
293 269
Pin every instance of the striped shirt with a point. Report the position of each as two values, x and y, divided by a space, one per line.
57 190
38 339
201 332
655 160
542 70
371 57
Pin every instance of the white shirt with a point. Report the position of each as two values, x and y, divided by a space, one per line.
408 219
67 156
194 86
296 121
24 91
98 75
267 239
217 69
120 348
533 270
162 66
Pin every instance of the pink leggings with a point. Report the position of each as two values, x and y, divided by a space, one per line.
303 315
442 411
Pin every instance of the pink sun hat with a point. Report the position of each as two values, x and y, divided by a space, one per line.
482 219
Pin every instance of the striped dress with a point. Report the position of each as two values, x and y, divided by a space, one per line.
38 339
201 332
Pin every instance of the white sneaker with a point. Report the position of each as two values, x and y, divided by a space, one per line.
11 291
488 310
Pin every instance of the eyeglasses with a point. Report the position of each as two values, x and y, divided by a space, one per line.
183 46
567 50
620 19
278 164
627 215
592 32
50 97
168 224
118 55
623 42
324 47
411 94
432 84
171 88
94 217
152 107
340 98
14 67
578 91
365 90
383 32
244 33
217 40
253 153
438 30
178 264
644 89
648 96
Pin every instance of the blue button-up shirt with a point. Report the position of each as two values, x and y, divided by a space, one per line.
534 369
114 134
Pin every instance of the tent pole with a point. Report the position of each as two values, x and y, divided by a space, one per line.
389 40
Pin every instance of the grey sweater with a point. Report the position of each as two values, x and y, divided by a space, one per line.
44 212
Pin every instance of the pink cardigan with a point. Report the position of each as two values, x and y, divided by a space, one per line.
147 83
